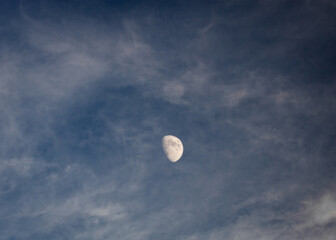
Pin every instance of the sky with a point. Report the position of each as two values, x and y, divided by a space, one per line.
89 88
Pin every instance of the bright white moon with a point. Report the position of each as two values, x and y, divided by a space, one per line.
173 148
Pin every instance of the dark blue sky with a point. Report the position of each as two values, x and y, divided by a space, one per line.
89 88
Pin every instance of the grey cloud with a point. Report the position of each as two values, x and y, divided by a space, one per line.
321 211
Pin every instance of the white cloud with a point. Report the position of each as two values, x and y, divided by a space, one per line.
21 166
322 210
62 60
173 92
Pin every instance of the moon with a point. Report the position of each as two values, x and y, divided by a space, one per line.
173 147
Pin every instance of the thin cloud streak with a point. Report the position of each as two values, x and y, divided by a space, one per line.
85 104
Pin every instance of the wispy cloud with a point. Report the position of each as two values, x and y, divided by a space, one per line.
84 104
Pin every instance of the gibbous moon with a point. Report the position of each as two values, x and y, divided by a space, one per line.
173 148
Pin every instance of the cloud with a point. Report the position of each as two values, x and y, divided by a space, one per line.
59 198
20 166
322 210
173 92
85 104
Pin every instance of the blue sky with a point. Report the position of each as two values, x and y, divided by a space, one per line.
89 88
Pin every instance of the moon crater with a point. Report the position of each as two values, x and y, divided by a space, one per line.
173 147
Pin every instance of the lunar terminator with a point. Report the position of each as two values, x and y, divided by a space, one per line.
173 147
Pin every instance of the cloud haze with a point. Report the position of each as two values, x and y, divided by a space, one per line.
88 90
